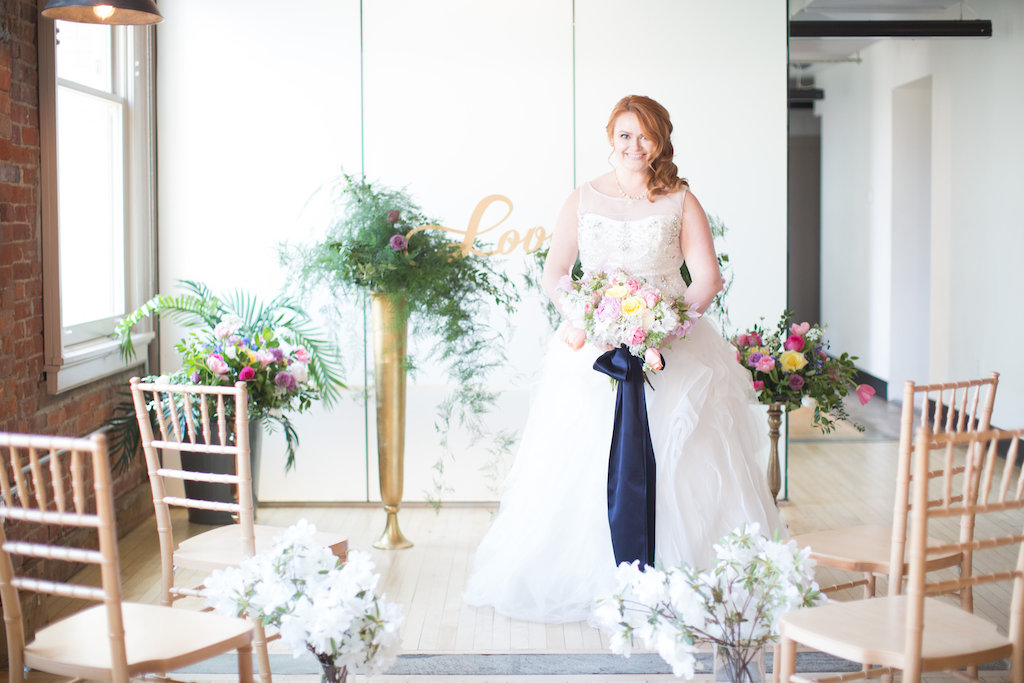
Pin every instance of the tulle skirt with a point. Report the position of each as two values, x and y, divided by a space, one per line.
548 553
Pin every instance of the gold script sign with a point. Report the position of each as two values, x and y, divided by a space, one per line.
508 241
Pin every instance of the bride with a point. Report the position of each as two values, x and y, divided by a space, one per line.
549 552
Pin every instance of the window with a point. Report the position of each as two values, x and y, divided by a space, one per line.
96 139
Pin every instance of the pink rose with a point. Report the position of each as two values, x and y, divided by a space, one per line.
758 385
794 343
653 358
574 337
638 336
766 364
650 298
738 358
754 339
216 363
742 340
264 357
302 355
800 330
246 374
633 285
393 216
864 393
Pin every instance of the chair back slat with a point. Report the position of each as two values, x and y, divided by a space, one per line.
942 408
36 504
989 490
190 420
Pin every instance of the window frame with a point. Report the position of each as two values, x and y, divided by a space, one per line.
71 363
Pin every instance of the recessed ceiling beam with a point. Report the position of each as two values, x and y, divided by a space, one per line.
975 28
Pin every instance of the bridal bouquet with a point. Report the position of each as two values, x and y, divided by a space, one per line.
735 605
618 309
316 601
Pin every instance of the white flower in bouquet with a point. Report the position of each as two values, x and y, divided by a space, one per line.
316 602
737 603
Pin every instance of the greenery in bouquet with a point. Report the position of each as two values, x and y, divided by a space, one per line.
736 604
275 348
316 601
373 245
791 365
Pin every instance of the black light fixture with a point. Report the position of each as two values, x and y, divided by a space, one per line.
104 11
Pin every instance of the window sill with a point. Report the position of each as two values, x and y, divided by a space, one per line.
93 360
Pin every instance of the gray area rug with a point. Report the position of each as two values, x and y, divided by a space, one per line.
526 664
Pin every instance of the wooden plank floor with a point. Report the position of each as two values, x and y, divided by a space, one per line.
833 482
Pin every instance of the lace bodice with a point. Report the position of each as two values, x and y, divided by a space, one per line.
639 236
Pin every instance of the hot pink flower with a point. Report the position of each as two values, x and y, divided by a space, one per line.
864 393
801 330
758 385
794 343
653 358
246 374
638 336
766 364
216 363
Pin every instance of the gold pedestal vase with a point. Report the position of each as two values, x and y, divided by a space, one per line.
774 474
390 330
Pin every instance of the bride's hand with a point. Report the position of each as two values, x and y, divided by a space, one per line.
573 336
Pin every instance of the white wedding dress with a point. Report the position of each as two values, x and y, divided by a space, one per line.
548 553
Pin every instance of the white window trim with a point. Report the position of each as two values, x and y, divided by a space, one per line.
68 366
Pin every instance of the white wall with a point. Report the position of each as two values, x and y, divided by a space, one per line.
976 236
455 99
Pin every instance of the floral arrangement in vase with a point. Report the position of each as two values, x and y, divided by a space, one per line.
374 246
735 605
316 601
791 365
286 363
616 308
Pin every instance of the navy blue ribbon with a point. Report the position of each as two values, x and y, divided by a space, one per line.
631 483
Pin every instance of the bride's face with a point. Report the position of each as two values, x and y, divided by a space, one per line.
631 148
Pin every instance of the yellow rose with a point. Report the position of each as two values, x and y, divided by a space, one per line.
617 292
632 304
792 361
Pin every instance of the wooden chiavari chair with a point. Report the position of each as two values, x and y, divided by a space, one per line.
212 420
919 632
50 481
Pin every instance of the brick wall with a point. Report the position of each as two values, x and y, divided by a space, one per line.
25 404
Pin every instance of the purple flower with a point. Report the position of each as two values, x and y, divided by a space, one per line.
796 382
754 359
398 242
393 216
285 380
278 354
196 376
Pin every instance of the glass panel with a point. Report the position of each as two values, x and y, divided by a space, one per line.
90 168
84 54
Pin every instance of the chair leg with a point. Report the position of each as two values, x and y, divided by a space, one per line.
776 656
259 644
786 665
245 664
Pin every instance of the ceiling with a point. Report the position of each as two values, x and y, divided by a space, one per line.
807 55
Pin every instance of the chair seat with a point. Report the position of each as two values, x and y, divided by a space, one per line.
862 549
873 631
156 639
222 547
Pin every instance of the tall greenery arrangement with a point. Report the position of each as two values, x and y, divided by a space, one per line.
274 347
372 245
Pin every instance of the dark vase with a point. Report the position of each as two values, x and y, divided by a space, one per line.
220 464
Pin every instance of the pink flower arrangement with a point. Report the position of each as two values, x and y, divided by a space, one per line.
617 309
791 364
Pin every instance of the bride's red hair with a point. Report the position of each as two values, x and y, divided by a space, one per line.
657 126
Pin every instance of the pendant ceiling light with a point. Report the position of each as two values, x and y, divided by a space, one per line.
104 11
